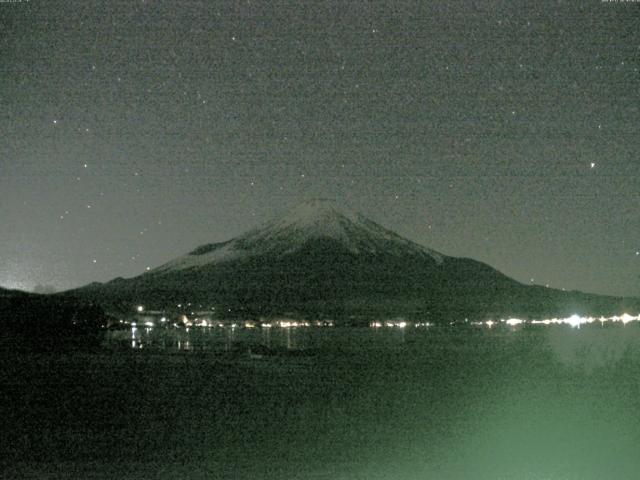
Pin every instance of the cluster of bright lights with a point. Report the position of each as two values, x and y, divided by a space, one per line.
296 323
389 324
574 320
185 321
193 320
291 324
398 324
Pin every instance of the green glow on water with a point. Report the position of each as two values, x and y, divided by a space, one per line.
548 403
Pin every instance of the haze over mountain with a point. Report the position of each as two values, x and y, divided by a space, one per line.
321 260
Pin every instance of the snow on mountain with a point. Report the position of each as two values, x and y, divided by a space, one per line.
312 220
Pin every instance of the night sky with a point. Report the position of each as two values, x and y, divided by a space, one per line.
505 131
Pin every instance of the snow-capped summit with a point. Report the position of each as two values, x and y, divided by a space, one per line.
321 215
312 220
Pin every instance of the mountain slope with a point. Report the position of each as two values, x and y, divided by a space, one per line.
322 260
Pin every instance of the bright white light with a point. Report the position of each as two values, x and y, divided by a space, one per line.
575 321
512 322
626 318
149 324
489 323
140 308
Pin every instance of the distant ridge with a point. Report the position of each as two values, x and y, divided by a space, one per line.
321 259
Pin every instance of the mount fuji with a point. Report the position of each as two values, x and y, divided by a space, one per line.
321 260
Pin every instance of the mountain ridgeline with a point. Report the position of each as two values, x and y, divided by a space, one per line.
323 261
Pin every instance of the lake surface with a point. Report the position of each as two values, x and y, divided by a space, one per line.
415 403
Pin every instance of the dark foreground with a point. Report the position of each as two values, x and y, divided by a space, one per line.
549 403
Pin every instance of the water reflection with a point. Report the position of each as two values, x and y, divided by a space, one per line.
218 338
